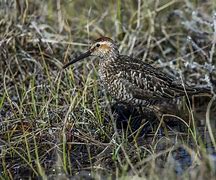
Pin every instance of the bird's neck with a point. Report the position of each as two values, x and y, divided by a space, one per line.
109 59
106 65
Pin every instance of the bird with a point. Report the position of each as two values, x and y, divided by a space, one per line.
132 81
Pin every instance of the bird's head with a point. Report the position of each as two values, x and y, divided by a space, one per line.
103 47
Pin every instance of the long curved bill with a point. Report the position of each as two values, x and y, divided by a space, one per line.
82 56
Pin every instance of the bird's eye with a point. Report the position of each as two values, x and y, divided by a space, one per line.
97 45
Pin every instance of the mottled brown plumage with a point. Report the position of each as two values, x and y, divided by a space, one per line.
132 81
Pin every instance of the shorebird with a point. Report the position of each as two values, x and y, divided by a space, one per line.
132 81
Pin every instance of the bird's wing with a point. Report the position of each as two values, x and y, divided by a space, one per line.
147 81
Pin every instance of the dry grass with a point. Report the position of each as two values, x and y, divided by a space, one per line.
61 124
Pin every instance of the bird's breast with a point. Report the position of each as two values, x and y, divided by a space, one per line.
110 77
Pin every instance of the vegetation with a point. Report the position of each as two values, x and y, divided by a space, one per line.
58 123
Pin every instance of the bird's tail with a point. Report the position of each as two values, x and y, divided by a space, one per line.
200 90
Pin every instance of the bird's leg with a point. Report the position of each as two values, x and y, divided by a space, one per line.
145 124
159 114
141 111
